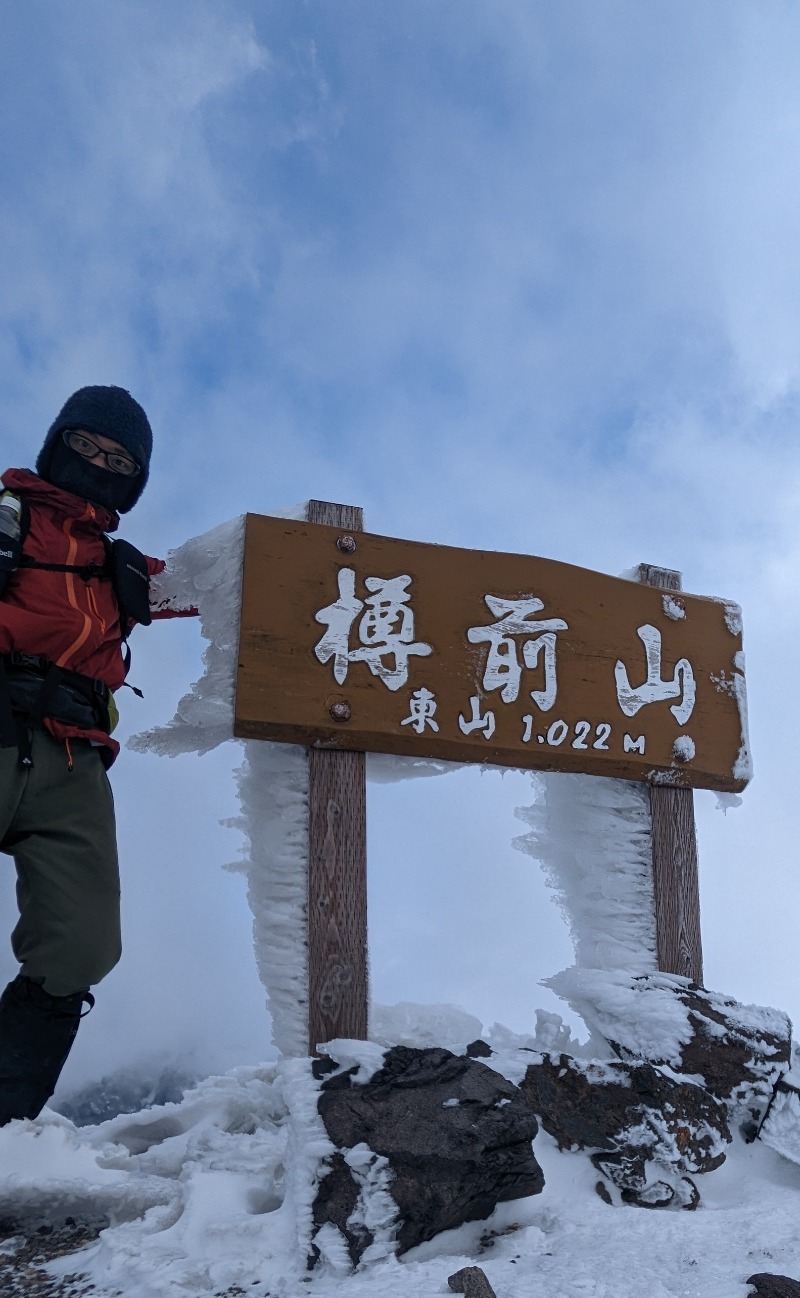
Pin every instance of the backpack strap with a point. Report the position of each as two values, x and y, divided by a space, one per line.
16 558
8 722
84 570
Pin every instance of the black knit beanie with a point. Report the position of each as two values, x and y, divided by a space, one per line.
109 412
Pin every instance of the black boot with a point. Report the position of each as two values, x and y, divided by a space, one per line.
36 1035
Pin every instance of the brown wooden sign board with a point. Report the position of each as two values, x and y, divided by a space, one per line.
372 644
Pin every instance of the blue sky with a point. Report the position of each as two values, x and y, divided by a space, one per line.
514 275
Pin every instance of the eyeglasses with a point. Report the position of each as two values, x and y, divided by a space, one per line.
113 460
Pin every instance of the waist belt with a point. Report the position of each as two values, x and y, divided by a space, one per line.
32 688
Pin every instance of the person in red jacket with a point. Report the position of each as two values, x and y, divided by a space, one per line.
68 597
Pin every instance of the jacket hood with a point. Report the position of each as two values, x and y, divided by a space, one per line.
64 501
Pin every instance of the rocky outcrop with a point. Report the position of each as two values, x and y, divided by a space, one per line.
773 1286
454 1138
472 1282
425 1140
737 1052
648 1132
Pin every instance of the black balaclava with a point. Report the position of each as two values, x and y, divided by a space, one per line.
109 412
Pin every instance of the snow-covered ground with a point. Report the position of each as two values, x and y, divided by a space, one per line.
214 1193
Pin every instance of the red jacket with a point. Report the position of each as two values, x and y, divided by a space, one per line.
60 615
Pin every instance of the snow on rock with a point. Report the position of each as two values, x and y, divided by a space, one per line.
308 1151
366 1057
592 837
738 1052
375 1214
644 1017
372 1214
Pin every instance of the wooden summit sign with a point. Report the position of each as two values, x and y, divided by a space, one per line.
362 642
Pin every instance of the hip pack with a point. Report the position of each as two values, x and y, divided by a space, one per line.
33 688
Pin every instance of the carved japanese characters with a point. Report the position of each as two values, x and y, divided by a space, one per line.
468 655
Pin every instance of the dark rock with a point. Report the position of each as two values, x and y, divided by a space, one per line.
478 1050
737 1052
636 1119
773 1286
322 1066
457 1137
472 1281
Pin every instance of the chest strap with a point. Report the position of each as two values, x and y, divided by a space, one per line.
86 570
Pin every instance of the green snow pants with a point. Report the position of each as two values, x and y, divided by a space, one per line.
58 824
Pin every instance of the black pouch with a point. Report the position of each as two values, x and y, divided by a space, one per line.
13 527
10 555
131 581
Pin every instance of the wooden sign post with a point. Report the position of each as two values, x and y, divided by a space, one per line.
676 884
338 985
353 643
